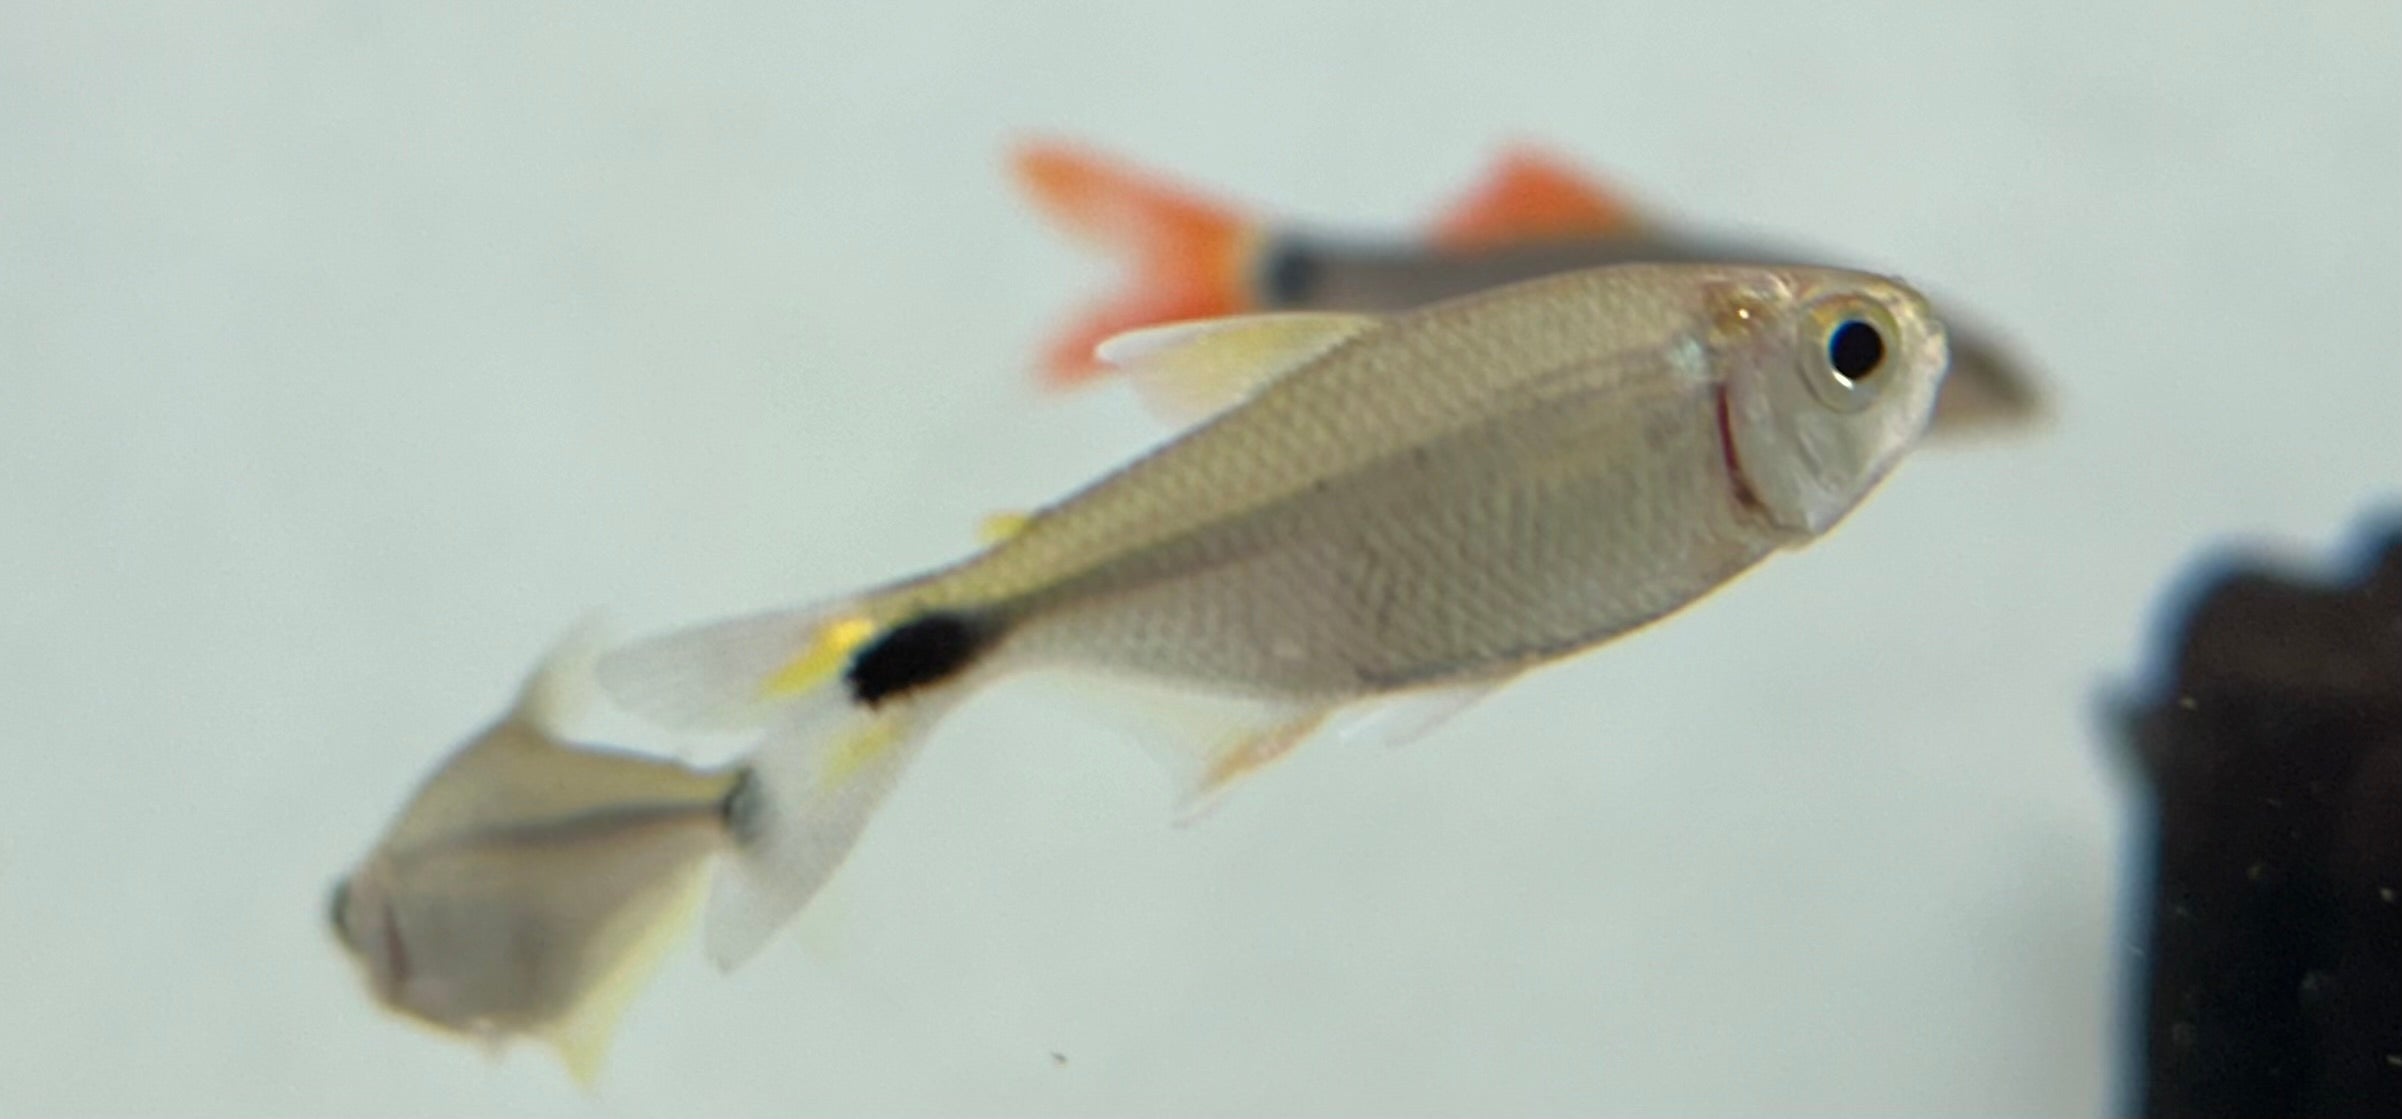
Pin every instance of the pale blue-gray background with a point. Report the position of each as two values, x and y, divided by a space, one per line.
349 352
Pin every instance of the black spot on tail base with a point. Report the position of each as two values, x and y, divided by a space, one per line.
925 650
1289 276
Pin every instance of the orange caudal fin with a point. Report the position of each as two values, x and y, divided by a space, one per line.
1532 196
1188 255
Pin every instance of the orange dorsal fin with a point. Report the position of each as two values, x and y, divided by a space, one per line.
1530 196
1188 255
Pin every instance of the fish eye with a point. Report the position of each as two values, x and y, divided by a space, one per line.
1848 342
1855 350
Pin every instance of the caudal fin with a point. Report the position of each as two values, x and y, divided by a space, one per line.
816 775
1189 256
736 674
804 800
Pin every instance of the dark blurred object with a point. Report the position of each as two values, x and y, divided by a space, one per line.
2275 757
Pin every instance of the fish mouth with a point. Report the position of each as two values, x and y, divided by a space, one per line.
395 955
1745 495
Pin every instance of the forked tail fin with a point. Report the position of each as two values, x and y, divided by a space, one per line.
818 772
1189 255
804 800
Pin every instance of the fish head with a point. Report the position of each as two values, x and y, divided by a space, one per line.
364 921
442 958
1830 379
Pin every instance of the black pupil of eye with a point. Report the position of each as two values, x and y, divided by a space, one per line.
1855 349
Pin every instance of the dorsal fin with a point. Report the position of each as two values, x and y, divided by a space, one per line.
1190 370
561 685
1531 196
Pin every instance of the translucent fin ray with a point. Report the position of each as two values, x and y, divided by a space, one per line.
583 1036
1204 741
561 684
732 674
1189 371
1400 718
807 795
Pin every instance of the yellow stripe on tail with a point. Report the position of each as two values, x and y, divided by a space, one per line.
832 649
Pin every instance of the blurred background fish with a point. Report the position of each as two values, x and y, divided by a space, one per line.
1192 256
531 885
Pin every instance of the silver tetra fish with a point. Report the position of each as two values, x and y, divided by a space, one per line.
531 886
1382 517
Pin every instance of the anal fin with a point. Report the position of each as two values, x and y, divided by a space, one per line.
1236 756
582 1036
1205 741
1209 741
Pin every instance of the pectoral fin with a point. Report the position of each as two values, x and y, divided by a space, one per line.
1400 718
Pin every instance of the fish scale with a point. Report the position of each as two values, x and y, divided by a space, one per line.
1366 403
1427 443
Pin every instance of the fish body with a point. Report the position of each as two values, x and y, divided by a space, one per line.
1376 510
1335 520
530 885
1534 216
